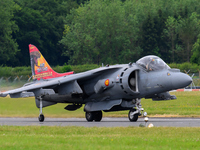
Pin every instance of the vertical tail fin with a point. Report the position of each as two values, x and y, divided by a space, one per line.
39 66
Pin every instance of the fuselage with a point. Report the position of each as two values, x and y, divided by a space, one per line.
125 82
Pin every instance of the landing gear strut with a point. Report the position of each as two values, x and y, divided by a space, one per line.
136 111
93 116
41 116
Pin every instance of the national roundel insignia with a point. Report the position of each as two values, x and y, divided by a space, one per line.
107 82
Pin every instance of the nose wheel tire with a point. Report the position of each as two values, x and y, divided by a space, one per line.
96 116
133 117
41 118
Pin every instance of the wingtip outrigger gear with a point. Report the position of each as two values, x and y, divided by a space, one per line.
41 116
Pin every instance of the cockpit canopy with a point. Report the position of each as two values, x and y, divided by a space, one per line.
152 63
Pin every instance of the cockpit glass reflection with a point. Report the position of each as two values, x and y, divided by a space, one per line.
152 63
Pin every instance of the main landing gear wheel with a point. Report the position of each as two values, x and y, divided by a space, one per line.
133 115
95 115
41 118
98 116
89 116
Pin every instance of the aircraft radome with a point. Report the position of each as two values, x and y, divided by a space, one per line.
109 88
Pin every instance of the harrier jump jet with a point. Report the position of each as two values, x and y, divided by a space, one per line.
109 88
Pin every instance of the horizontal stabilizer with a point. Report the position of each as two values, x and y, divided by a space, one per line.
3 95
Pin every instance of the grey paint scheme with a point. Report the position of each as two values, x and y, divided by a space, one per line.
127 83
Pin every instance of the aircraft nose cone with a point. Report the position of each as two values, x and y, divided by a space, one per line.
181 80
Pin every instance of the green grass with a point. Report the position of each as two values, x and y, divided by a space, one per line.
102 138
186 105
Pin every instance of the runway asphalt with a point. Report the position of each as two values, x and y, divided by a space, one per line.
106 122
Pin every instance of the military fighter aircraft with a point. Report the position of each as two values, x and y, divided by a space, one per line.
108 88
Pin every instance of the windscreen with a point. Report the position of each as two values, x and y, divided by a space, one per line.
152 63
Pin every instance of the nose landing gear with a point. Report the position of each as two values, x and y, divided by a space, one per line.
133 115
136 111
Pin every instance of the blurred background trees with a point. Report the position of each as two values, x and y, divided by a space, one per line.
99 31
8 45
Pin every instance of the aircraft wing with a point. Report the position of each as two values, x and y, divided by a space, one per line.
46 84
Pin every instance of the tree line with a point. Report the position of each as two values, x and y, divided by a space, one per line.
38 22
99 31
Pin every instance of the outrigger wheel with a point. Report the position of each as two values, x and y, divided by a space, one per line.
95 115
41 118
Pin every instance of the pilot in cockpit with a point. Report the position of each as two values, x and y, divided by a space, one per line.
152 63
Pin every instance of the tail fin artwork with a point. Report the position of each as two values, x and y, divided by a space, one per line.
40 67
